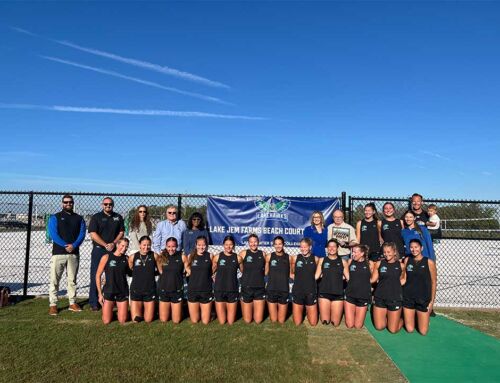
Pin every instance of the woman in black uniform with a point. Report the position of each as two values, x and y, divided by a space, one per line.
332 270
143 287
278 287
419 290
171 264
226 265
253 289
390 274
115 268
304 286
367 231
199 271
358 292
390 229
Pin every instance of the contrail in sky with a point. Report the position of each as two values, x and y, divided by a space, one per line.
135 79
137 112
131 61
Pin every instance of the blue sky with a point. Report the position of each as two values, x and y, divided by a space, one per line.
285 98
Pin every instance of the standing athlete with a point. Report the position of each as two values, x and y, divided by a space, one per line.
390 229
367 232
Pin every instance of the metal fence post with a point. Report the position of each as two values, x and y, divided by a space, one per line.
28 243
343 201
179 206
350 210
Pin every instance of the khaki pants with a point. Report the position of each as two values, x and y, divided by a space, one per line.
58 263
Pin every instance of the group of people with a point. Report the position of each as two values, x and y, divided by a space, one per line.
373 230
338 272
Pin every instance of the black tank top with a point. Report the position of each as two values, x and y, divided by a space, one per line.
331 281
143 273
418 280
253 269
359 280
200 279
389 283
171 278
116 275
369 235
226 279
279 273
391 232
305 268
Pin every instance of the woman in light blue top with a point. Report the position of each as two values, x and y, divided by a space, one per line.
414 231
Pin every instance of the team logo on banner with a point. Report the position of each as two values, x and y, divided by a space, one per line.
272 210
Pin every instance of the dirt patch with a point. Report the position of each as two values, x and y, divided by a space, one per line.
349 355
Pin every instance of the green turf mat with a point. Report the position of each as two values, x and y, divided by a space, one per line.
451 352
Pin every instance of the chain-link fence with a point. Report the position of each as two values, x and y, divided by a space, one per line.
468 255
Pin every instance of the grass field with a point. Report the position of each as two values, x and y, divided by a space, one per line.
487 321
78 347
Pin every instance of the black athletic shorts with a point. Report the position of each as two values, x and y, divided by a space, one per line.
250 294
331 297
200 297
116 297
375 256
387 304
280 297
305 299
171 296
142 297
226 297
359 302
416 304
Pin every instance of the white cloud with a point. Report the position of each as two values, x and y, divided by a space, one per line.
435 155
19 155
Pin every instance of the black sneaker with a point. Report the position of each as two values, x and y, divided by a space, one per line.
325 322
138 319
433 314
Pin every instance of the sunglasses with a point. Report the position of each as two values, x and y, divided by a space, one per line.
68 202
142 211
171 212
196 219
107 204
